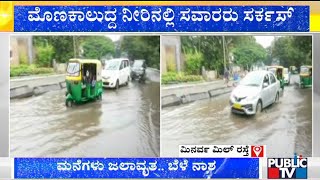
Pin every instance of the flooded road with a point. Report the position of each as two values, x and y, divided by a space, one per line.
124 124
285 128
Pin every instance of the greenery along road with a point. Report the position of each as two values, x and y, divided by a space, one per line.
63 48
208 51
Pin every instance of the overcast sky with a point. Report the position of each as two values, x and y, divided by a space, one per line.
114 37
265 41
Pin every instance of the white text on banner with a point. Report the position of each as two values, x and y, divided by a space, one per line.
224 151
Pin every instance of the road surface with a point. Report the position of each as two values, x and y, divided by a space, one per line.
124 124
285 128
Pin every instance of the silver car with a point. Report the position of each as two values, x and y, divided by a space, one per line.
257 90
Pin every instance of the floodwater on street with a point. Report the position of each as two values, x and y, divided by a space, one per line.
124 124
285 128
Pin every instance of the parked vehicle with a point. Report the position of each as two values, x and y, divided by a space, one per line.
138 70
293 70
83 81
286 76
278 72
305 76
116 73
257 90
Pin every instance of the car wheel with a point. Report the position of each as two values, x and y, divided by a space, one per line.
259 107
117 85
276 100
128 79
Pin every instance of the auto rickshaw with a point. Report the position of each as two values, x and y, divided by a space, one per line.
305 76
293 70
83 81
279 72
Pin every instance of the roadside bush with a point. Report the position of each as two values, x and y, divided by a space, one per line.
173 77
23 59
193 63
25 70
44 55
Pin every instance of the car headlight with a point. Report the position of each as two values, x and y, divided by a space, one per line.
250 98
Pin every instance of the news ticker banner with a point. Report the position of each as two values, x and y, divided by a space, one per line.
8 13
133 168
231 151
161 18
269 168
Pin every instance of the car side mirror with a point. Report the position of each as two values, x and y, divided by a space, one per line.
265 85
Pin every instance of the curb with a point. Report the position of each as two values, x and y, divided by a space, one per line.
157 70
35 78
174 100
26 91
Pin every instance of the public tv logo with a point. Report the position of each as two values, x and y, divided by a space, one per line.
288 168
257 151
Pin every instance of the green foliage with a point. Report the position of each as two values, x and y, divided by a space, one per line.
246 56
44 55
23 59
143 47
96 47
24 70
62 45
194 62
173 77
293 50
211 48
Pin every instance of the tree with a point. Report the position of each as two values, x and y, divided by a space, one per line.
96 47
143 47
250 54
62 46
293 50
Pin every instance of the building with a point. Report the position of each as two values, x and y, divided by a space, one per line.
21 50
171 56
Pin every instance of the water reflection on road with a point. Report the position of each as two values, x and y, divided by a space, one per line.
125 123
285 127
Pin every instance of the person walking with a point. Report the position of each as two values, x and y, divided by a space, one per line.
226 77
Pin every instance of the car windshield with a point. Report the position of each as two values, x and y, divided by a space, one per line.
73 69
304 70
252 79
138 63
273 70
112 65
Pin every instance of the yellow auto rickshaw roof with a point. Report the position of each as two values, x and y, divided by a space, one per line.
278 67
86 61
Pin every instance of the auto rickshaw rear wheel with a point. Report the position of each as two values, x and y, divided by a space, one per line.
69 103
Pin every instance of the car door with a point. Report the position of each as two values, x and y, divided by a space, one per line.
128 70
273 88
265 92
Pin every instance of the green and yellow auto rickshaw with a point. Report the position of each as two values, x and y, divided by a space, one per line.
83 81
279 72
305 76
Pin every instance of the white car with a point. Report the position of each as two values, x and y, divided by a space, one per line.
116 73
257 90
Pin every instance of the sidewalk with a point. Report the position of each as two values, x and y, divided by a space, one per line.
173 95
37 80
